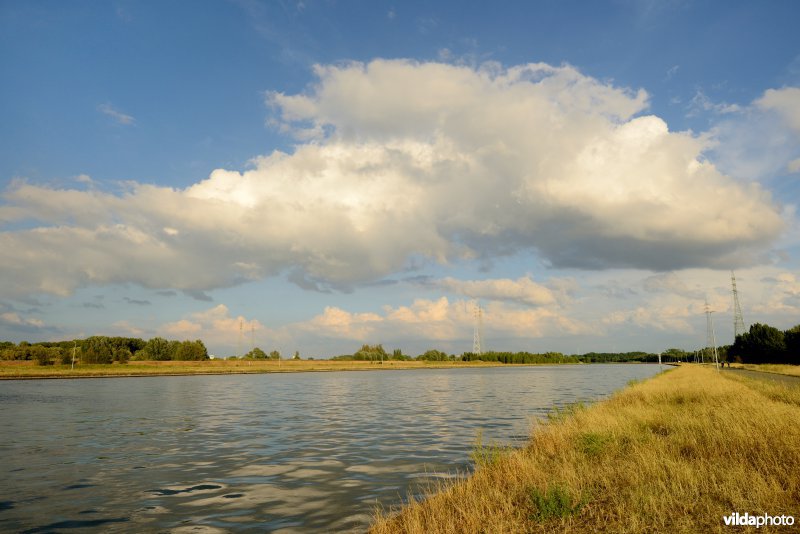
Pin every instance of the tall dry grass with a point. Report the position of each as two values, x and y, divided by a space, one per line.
781 369
673 454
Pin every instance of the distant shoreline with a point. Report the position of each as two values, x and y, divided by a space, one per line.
28 370
14 370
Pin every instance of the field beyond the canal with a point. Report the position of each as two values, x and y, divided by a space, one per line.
676 453
29 369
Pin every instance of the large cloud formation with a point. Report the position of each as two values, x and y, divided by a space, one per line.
399 163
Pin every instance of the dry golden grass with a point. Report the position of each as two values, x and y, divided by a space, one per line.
791 370
29 369
673 454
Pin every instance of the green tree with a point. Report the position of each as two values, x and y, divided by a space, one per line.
158 349
433 355
371 353
41 354
256 354
122 354
189 350
97 349
296 355
274 355
792 339
761 344
66 355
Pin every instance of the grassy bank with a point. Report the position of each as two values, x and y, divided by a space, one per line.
29 369
673 454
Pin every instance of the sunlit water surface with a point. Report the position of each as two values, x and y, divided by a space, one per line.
302 452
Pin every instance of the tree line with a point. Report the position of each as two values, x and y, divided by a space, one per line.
761 344
104 350
377 353
766 344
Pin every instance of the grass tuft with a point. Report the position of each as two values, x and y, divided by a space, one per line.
486 455
554 503
593 443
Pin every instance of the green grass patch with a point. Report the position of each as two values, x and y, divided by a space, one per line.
593 443
486 455
562 413
555 502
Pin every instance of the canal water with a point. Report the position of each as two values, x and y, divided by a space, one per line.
301 452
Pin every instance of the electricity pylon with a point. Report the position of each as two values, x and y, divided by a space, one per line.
711 340
738 320
476 335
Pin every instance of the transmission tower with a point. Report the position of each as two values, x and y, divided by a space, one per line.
738 320
239 345
476 336
711 340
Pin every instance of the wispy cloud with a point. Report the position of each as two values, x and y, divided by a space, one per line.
426 25
117 115
702 103
672 71
136 301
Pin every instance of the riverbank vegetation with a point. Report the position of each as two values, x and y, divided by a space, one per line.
108 350
378 353
104 350
675 453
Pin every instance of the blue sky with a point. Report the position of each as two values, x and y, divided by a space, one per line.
321 175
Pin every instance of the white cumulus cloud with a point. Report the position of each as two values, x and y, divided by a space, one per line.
405 162
522 290
785 101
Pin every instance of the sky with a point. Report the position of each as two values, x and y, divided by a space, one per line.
316 175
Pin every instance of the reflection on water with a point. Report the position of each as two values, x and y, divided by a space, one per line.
280 453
